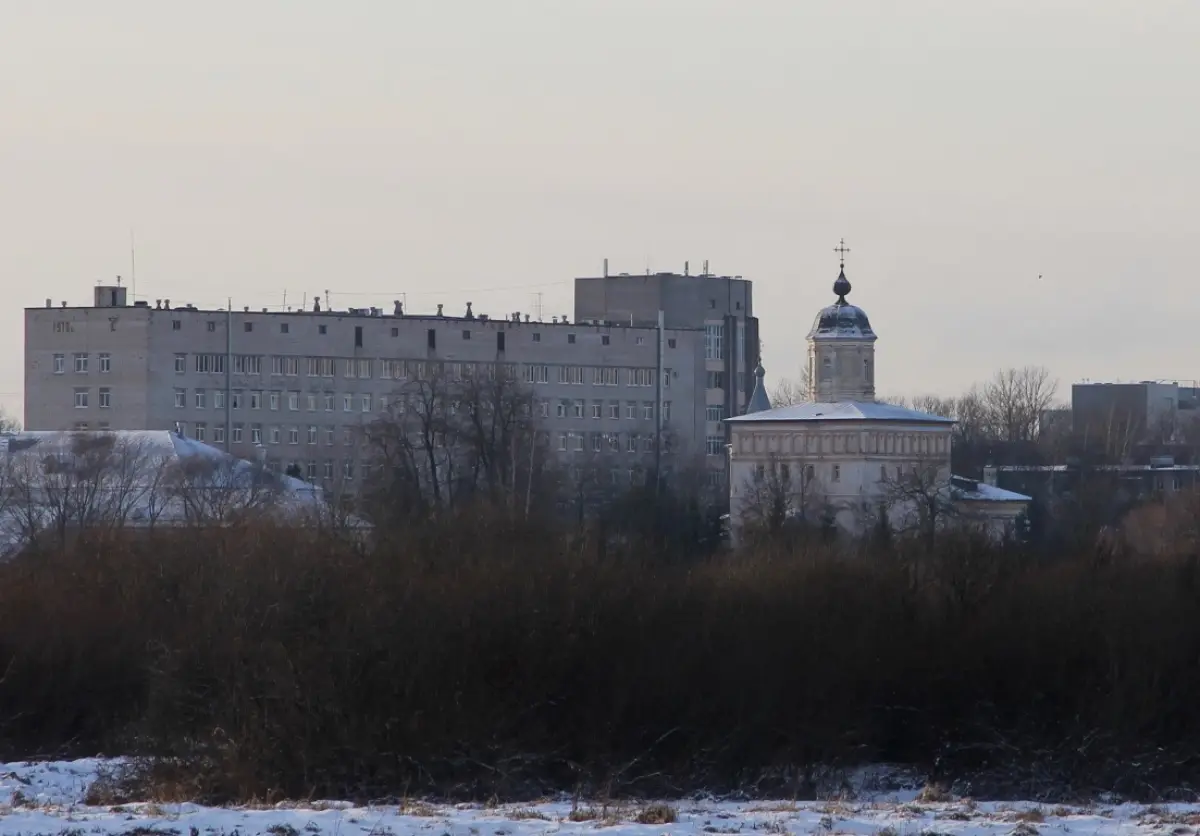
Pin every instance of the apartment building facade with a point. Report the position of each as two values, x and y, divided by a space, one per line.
299 386
721 305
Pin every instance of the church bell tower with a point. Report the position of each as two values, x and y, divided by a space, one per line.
841 348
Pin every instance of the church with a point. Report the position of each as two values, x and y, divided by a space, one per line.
843 458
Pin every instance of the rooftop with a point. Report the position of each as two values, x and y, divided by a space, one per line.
842 411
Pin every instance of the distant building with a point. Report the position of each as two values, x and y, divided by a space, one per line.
849 459
303 383
1117 416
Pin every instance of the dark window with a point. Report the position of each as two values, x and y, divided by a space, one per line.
570 338
321 329
176 324
431 338
499 340
395 332
738 305
249 326
358 336
466 335
283 328
671 343
212 326
537 338
712 303
604 339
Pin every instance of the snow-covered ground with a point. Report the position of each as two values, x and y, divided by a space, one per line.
47 798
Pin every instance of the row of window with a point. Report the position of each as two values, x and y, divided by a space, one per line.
835 472
83 398
268 434
292 401
576 442
603 409
356 368
82 363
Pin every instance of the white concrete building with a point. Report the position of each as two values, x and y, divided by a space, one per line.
844 457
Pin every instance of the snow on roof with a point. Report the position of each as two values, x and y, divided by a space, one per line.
972 491
843 411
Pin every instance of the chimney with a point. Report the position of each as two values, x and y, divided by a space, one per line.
526 317
606 268
64 303
398 309
439 313
49 303
685 268
316 304
469 314
167 305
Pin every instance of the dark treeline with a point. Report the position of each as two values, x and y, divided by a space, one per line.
486 655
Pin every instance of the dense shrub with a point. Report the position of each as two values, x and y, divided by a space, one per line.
482 657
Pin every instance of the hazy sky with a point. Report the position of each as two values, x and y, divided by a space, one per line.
493 149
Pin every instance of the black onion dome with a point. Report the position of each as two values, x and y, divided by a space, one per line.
841 319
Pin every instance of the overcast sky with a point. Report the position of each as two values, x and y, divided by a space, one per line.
493 149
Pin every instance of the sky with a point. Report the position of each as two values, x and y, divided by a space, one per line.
1017 180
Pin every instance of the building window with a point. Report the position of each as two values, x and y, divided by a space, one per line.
212 326
671 342
327 469
347 403
81 364
329 401
577 409
293 401
366 403
347 436
105 362
714 339
218 400
81 398
247 327
537 338
348 470
604 339
639 340
293 435
606 376
712 303
714 413
597 409
283 328
201 399
218 434
60 363
578 442
235 399
648 411
276 435
714 445
256 400
310 471
571 339
837 473
105 397
597 442
180 363
256 433
614 410
395 332
273 400
716 380
201 430
466 335
329 436
322 329
537 374
666 416
311 401
631 443
237 433
630 410
560 411
180 398
570 374
176 325
312 435
562 442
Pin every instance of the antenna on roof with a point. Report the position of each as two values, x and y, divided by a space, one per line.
132 267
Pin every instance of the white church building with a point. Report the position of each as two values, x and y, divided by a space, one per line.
845 458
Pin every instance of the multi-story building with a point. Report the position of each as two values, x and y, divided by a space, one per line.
299 384
721 305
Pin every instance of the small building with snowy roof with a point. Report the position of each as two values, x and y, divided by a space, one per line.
54 481
844 458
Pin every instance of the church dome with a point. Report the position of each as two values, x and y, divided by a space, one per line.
841 319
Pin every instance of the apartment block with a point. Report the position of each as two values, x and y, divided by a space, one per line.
299 385
721 305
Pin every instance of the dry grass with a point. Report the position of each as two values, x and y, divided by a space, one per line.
657 814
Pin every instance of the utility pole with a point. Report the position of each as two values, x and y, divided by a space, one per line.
229 375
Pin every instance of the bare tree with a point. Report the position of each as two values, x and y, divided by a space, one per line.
917 500
780 493
205 491
453 437
8 424
788 392
1016 399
